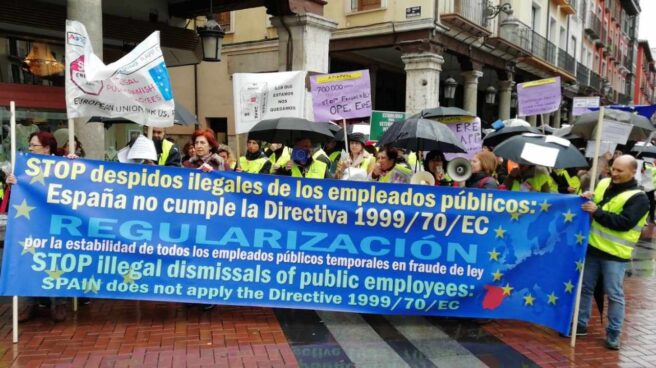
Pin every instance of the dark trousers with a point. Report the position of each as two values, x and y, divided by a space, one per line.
652 205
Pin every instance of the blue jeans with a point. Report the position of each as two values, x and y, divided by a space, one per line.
613 279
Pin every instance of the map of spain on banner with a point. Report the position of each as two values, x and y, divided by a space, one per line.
137 87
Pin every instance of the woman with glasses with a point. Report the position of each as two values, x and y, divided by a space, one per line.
42 143
206 155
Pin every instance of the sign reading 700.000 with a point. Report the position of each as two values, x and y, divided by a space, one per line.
103 229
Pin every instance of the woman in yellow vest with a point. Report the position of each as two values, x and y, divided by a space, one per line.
390 167
254 161
358 158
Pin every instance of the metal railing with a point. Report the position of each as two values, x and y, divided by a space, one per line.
566 61
472 10
593 25
582 75
595 81
543 48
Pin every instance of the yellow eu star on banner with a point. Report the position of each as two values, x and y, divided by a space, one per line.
507 289
514 216
55 274
552 298
26 249
528 300
38 178
544 206
23 210
499 232
497 276
579 265
580 238
494 255
569 215
92 286
127 277
569 286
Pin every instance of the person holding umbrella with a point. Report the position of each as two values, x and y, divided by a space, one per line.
307 162
435 163
390 167
618 209
254 161
358 158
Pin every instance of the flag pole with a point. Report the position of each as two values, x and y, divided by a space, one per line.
346 147
12 133
593 180
71 136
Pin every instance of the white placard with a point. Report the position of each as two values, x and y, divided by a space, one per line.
557 140
137 87
616 132
540 155
604 147
582 105
259 96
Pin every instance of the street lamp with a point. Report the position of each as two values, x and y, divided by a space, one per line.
490 95
491 10
513 100
450 88
211 37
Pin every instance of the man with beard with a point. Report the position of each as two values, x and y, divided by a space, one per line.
168 153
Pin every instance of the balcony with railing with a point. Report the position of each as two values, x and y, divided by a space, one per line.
566 61
468 15
582 75
543 48
593 26
567 6
595 81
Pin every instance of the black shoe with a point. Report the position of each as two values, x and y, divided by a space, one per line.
613 340
580 331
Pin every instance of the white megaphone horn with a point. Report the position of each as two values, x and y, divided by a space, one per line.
459 169
423 178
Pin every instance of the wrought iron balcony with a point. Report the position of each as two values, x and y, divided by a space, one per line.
595 81
513 37
582 75
543 48
593 26
566 61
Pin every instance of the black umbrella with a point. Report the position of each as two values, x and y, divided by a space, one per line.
443 112
644 151
390 134
513 148
417 134
288 130
585 124
181 116
495 138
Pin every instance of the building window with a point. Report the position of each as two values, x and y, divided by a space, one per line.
362 5
225 20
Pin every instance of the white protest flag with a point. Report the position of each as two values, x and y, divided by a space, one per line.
137 87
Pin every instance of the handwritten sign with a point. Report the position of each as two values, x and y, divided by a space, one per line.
341 96
538 97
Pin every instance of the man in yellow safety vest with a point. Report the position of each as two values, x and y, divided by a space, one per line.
168 153
618 210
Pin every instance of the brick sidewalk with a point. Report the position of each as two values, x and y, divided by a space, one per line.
112 333
547 349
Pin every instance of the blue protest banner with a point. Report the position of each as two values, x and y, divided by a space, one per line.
109 230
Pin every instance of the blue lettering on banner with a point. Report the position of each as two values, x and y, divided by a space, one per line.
110 230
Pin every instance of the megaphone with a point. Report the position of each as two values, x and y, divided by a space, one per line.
459 169
423 178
